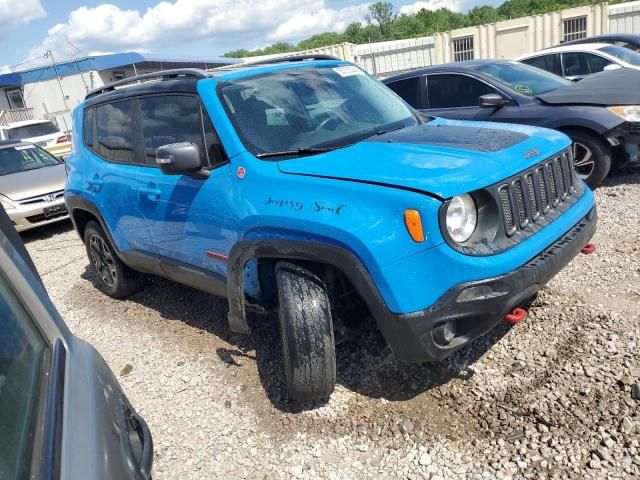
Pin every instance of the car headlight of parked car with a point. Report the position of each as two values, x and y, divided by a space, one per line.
6 203
461 217
631 113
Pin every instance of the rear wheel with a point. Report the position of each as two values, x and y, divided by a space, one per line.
115 278
306 329
591 157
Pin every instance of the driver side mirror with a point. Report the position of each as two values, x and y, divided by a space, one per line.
179 159
492 100
611 66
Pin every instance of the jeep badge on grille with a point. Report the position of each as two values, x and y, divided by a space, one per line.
531 153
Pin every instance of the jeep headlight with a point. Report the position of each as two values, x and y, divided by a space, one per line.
630 113
6 203
461 218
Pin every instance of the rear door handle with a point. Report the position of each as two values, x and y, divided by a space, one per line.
149 192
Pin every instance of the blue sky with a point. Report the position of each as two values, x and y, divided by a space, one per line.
189 28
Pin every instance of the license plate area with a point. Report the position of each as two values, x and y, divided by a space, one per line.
54 211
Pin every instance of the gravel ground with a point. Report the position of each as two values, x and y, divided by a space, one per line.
550 398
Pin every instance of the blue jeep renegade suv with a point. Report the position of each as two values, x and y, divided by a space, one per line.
309 186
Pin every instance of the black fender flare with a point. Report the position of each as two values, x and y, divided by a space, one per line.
293 250
78 203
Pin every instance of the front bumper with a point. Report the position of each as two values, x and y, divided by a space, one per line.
474 308
627 136
25 217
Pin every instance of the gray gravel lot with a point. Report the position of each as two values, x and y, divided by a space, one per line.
548 398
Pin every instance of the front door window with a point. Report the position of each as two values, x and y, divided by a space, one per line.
22 349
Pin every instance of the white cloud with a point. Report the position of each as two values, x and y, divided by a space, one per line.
13 12
319 20
454 5
226 23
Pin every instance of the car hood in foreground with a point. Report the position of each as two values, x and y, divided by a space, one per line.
615 87
40 181
442 157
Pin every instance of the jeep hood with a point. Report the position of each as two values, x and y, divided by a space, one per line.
442 158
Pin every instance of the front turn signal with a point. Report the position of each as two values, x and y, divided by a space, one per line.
414 225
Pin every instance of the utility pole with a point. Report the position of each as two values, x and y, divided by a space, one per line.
49 54
74 52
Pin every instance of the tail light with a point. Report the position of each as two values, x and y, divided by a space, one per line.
62 139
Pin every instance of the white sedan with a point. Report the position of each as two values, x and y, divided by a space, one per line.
43 133
576 61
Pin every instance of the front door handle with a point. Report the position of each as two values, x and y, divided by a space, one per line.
149 192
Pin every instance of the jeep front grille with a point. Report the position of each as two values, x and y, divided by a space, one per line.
533 194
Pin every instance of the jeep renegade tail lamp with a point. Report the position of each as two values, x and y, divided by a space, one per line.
414 225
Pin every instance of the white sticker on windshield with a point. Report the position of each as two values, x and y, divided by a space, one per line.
348 70
276 116
24 147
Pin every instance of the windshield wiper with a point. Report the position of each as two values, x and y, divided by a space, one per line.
298 152
383 131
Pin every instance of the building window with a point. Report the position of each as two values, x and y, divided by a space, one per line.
15 98
574 29
462 49
119 75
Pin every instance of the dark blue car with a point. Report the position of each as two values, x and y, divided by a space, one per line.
599 113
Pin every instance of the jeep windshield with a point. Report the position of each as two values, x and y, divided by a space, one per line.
309 110
522 78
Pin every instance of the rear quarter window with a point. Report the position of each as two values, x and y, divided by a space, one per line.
87 127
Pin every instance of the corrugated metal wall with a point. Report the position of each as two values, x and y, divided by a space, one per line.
624 18
384 58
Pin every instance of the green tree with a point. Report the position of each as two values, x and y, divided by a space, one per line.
482 15
406 26
321 40
383 14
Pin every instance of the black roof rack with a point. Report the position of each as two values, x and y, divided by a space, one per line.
162 75
295 58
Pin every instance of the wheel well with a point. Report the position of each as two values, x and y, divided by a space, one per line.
81 218
347 304
569 129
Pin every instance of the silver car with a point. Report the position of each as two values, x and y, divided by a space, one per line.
31 185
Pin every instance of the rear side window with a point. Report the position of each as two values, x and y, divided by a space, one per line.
87 127
451 91
114 131
550 63
409 90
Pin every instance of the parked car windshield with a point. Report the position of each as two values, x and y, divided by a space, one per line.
523 78
30 131
24 157
624 54
311 107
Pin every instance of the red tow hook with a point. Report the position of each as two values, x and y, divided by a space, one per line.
516 315
588 248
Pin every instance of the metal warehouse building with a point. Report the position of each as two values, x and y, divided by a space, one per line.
51 92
